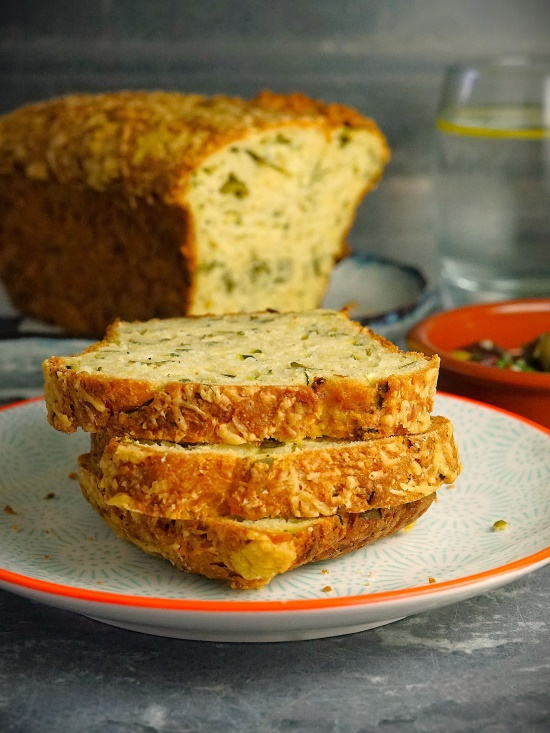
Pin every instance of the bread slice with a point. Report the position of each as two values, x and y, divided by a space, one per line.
242 378
314 478
247 554
136 205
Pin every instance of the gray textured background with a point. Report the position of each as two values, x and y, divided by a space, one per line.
384 57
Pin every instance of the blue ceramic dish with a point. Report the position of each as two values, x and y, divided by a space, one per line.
385 295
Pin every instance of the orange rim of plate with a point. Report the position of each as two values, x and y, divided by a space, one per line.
316 604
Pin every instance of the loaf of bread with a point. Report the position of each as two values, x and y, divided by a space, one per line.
136 205
246 553
242 378
310 479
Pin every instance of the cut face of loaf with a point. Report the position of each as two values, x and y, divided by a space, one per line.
147 204
270 213
247 554
242 378
310 479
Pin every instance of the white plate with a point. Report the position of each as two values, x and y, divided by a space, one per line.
57 551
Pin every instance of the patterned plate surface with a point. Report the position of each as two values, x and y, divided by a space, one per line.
53 548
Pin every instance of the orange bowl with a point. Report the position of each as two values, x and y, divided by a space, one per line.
509 324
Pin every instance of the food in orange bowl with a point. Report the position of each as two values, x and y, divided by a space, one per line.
509 324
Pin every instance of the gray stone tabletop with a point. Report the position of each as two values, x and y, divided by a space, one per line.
479 665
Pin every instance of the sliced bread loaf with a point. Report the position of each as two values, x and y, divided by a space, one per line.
242 378
136 205
247 554
310 479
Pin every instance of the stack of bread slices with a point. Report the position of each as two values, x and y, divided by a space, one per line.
242 446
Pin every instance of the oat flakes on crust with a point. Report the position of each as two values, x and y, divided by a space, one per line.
147 143
191 413
310 480
248 554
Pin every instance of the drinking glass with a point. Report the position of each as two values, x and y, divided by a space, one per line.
492 181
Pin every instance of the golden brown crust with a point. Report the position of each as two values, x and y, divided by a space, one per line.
64 251
182 484
245 555
115 141
186 412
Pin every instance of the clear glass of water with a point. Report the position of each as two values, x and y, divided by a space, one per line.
492 181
